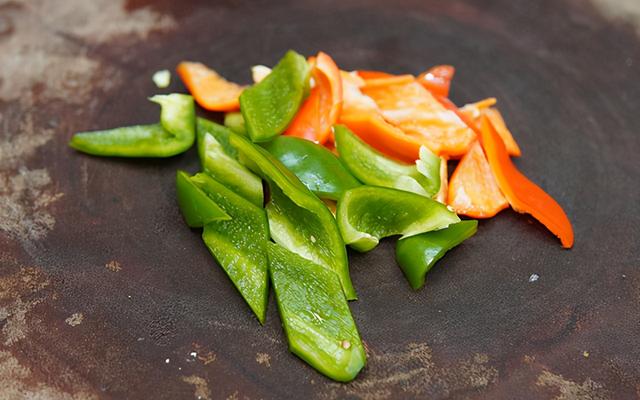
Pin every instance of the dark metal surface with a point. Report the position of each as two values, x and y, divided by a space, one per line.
105 293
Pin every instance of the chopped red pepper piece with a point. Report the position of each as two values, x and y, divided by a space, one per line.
437 79
322 108
473 190
210 90
523 195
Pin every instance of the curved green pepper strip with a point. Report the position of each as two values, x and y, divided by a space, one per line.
269 106
317 167
318 238
197 208
368 213
374 168
315 316
219 159
174 134
235 122
417 254
239 244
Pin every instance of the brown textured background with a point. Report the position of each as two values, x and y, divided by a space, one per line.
101 282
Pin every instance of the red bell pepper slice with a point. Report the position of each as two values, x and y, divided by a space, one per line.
523 195
437 79
321 109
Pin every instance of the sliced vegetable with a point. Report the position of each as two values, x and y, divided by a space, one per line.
219 159
318 168
386 81
474 111
259 72
373 168
269 106
235 122
211 91
315 316
239 244
368 213
321 109
417 254
384 137
197 208
473 190
441 196
523 195
437 80
173 135
414 110
298 220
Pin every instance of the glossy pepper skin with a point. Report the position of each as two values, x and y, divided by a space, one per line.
174 134
235 122
269 106
298 220
197 208
219 159
239 243
417 254
315 316
374 168
317 167
368 213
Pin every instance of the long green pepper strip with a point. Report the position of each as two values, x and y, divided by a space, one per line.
317 167
219 159
269 106
368 213
320 239
174 134
315 316
417 254
239 244
376 169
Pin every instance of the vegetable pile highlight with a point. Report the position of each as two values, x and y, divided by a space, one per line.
347 159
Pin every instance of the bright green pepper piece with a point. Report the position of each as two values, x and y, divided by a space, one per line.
417 254
235 122
368 213
315 316
197 208
374 168
317 167
239 244
219 159
319 239
174 134
269 106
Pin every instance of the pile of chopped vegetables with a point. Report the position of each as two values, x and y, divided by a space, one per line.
346 158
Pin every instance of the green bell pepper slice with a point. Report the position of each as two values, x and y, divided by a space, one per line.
315 316
368 213
174 134
235 122
269 106
197 208
417 254
376 169
318 238
219 159
316 166
239 244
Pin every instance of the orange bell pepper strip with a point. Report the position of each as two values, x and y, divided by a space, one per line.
210 90
392 80
473 190
381 135
523 195
321 109
373 74
413 109
484 107
437 79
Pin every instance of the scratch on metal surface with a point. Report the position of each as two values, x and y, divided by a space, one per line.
200 387
413 371
569 390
